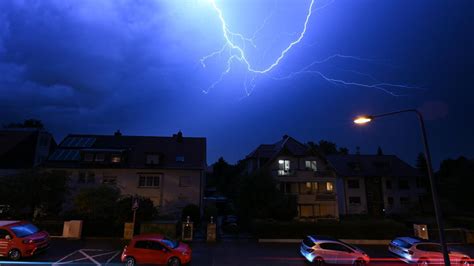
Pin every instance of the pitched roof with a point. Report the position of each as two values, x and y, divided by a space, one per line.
135 149
287 144
371 165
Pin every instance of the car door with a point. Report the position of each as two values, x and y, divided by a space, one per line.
345 255
5 242
328 251
160 253
143 252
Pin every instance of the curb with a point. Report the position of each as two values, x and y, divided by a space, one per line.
349 241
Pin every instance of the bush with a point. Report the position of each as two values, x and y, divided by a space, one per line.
193 212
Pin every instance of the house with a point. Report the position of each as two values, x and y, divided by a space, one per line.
299 171
377 184
168 170
23 148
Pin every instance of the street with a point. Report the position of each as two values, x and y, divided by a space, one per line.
107 252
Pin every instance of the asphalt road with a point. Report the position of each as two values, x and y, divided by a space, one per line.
107 252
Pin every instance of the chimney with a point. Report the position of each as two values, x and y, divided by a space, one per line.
118 133
179 136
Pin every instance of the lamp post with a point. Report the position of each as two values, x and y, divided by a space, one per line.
361 120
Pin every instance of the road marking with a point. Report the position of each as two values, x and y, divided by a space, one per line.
89 257
86 257
111 258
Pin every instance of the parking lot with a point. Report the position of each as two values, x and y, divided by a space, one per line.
107 252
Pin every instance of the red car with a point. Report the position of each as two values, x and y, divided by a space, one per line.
156 249
20 239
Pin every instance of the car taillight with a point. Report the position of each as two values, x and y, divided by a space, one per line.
27 241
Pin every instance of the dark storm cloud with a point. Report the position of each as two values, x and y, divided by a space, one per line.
74 55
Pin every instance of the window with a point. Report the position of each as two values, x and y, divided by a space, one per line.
4 233
308 187
388 184
404 201
109 180
24 230
329 186
307 211
353 183
88 157
91 178
308 242
429 247
152 159
289 188
184 181
149 181
311 165
390 201
403 184
115 158
99 157
81 178
143 244
354 200
180 158
283 167
335 247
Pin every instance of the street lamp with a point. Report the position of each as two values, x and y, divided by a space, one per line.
361 120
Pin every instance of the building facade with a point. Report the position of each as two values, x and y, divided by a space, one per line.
377 185
168 170
300 172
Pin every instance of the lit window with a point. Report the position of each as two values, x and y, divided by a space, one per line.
184 181
308 187
283 167
180 158
149 181
152 159
329 186
99 157
115 158
311 165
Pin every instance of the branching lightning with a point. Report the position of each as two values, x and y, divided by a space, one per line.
235 45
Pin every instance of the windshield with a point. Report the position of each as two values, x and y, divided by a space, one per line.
24 230
170 243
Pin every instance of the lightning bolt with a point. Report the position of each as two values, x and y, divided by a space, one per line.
236 43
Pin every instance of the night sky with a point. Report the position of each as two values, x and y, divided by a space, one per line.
88 66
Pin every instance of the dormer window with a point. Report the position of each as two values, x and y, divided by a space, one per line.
180 158
115 158
88 157
152 159
99 157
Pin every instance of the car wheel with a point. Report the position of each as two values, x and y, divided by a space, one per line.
359 262
319 261
423 262
14 254
465 262
130 261
174 262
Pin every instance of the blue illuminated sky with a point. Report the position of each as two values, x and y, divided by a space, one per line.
87 66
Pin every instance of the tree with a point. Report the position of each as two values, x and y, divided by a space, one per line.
225 177
191 210
34 192
29 123
260 198
327 148
97 203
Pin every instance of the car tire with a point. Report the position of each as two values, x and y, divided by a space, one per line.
14 254
359 262
130 261
174 262
319 261
423 262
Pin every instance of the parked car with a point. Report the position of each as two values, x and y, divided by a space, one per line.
19 239
419 251
156 249
324 250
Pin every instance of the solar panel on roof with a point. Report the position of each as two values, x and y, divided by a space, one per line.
66 142
90 142
82 142
74 142
54 155
57 155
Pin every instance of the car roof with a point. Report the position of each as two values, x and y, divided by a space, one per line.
323 238
5 223
149 237
413 240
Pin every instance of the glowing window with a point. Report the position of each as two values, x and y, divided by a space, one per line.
329 186
311 165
